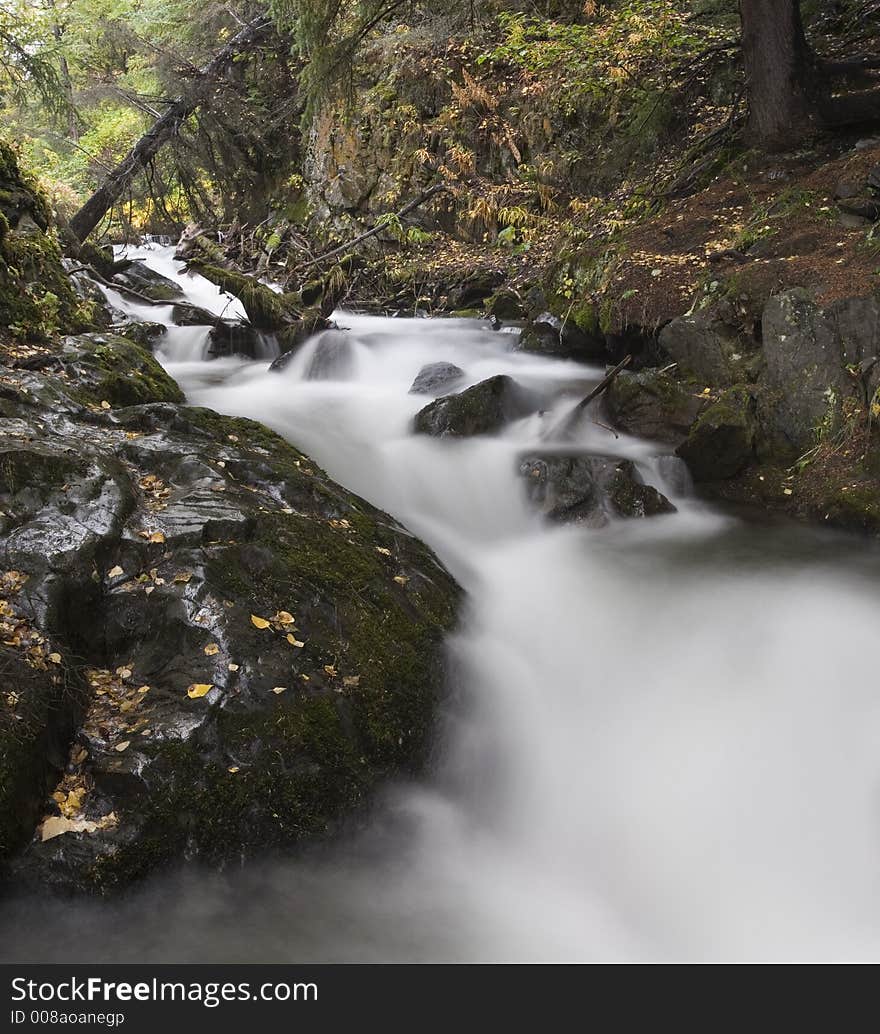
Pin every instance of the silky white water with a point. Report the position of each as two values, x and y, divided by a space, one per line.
663 740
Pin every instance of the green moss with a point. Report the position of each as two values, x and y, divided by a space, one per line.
124 373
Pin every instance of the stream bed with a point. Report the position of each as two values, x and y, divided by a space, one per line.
663 740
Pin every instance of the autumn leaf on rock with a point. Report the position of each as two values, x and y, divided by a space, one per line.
115 572
283 617
295 642
259 622
199 689
211 649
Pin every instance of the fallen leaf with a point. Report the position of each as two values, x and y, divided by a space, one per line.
124 673
55 658
55 827
233 769
122 746
143 689
105 404
258 622
199 689
157 536
182 577
279 689
284 617
401 579
295 642
233 667
351 681
383 551
331 671
211 649
115 572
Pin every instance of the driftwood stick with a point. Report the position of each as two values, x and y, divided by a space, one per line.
378 226
565 425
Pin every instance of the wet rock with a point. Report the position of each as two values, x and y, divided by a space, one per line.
113 369
185 315
548 335
231 337
259 648
434 378
332 356
589 489
482 409
146 335
651 404
710 351
138 276
722 442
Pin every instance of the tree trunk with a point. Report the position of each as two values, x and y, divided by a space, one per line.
114 186
777 61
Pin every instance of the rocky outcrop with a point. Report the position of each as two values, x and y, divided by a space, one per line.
589 489
214 648
709 350
549 335
482 409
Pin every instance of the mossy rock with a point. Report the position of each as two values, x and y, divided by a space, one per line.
722 442
114 369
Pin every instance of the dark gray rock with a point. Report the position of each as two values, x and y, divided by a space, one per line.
549 335
710 351
474 289
589 489
506 305
186 315
849 188
163 720
651 404
147 335
433 378
722 442
807 351
138 276
482 409
867 208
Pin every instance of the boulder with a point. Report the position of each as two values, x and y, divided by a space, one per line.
146 335
506 305
722 442
589 489
867 208
708 350
138 276
549 335
472 291
434 378
482 409
216 649
185 315
807 351
651 404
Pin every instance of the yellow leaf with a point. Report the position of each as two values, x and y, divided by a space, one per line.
143 689
115 572
211 649
259 622
294 641
283 617
280 689
383 551
55 658
199 689
331 671
124 673
105 404
182 577
157 536
351 681
122 746
401 579
233 769
233 667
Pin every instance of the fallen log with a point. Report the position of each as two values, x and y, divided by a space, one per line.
162 130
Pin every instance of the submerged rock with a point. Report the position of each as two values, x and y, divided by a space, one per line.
482 409
590 489
217 649
433 378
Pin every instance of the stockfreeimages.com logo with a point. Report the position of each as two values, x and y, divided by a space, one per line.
73 991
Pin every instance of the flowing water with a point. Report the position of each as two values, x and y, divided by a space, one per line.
664 738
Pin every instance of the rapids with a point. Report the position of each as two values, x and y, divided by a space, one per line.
663 741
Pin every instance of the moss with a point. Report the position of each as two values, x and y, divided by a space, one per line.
266 309
123 373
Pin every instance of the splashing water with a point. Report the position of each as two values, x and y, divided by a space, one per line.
663 743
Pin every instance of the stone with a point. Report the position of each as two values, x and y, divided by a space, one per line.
651 404
482 409
434 378
722 442
506 305
579 488
472 291
138 276
709 350
867 208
